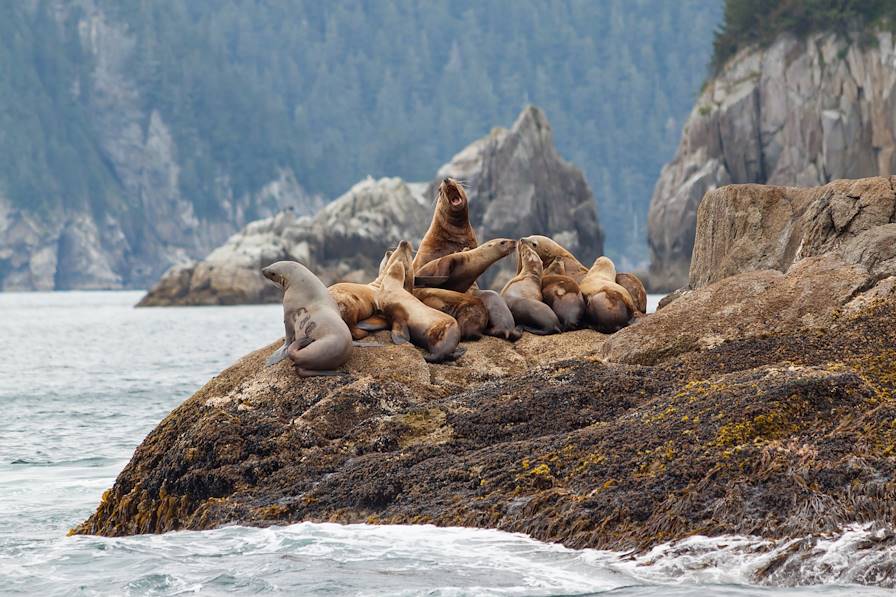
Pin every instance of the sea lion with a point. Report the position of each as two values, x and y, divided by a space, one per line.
523 294
459 271
500 320
429 328
608 306
550 250
467 309
635 288
317 339
357 303
450 230
561 293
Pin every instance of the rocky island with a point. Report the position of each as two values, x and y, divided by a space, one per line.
759 400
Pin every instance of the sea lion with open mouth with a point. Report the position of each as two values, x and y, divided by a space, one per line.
317 339
450 230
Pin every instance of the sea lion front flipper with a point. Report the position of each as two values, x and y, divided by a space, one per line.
400 332
429 281
276 357
373 324
320 373
458 353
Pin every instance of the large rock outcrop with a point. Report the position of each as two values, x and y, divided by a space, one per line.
138 221
761 403
800 112
516 182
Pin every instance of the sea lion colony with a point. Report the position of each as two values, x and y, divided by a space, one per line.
431 299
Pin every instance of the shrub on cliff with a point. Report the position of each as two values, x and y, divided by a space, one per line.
748 22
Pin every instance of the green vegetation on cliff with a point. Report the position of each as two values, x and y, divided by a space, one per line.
748 22
337 91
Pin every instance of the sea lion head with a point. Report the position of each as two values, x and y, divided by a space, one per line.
452 199
291 274
604 268
546 247
403 254
527 259
499 246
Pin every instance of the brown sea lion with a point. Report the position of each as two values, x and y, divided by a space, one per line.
550 250
635 288
523 294
609 306
500 320
357 303
561 293
459 271
467 309
428 328
450 230
317 340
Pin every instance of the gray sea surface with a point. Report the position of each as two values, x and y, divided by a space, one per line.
84 377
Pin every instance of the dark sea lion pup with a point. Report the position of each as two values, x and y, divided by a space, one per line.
467 309
317 340
428 328
500 320
450 230
459 271
635 288
561 293
523 295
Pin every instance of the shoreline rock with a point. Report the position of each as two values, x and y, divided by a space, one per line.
801 112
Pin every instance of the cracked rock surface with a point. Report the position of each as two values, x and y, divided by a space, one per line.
801 112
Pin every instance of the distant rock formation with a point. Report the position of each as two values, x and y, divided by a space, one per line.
344 241
759 403
153 225
800 112
517 185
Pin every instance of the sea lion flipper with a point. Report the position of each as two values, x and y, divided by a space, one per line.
400 332
276 357
320 373
360 344
373 324
429 281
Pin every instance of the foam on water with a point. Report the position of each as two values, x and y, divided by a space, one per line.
84 377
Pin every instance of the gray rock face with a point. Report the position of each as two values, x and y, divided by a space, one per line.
153 225
743 228
344 241
801 112
517 185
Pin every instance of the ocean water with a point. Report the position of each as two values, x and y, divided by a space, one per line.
84 377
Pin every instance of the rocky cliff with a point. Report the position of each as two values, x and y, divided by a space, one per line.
799 112
516 182
138 221
761 403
